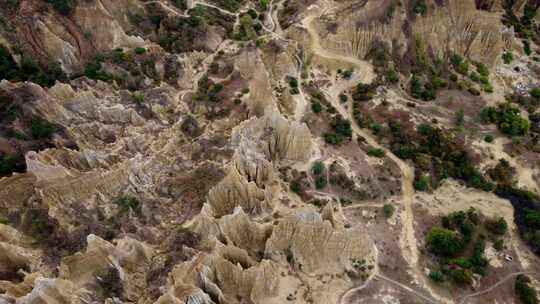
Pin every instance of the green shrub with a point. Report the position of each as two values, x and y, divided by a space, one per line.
388 210
527 47
127 203
343 98
419 7
507 118
392 76
535 92
376 152
488 138
316 107
524 291
436 276
347 74
320 182
296 187
93 70
482 69
498 245
422 183
138 98
461 276
140 50
444 242
317 168
11 163
507 57
65 7
497 226
41 129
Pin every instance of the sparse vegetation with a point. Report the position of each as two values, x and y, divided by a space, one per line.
129 204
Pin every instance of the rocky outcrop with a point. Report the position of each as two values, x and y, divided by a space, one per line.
314 246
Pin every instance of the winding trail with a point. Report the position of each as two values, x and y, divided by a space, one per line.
366 74
499 283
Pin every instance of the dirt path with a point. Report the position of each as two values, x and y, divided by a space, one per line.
167 8
365 73
224 11
500 282
364 68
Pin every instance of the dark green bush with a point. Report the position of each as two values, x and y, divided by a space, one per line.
497 226
524 291
11 163
320 182
42 129
436 276
388 210
376 152
65 7
422 183
317 168
507 57
507 118
316 107
129 203
444 242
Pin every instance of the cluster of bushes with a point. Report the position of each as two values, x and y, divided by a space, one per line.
524 291
507 118
94 70
428 78
527 213
318 101
250 27
29 70
426 90
341 131
364 92
65 7
419 7
530 103
10 163
525 27
293 85
459 245
208 91
319 174
42 129
437 154
376 152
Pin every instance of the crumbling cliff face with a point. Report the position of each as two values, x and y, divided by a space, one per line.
457 26
154 203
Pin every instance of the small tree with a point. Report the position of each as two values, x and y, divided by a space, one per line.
444 242
388 210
